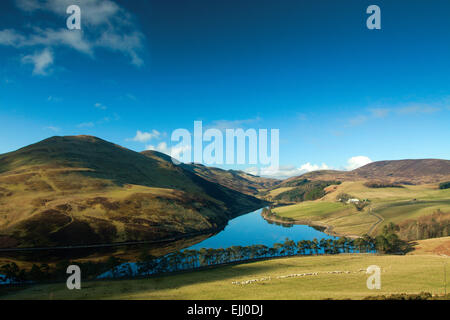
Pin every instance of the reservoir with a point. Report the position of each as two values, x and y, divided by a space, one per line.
252 228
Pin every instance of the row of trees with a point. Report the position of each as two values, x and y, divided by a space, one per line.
431 226
192 259
304 190
444 185
12 273
387 242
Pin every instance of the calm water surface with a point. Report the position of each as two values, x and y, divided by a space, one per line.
246 230
252 228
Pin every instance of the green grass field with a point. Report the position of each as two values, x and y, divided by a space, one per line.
391 204
400 274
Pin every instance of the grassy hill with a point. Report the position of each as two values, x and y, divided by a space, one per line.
233 179
400 191
311 185
84 190
386 205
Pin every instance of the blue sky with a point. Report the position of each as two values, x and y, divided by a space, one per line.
312 69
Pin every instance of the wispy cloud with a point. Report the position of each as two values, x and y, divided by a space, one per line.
98 105
113 117
52 128
107 119
42 61
358 120
417 109
86 125
54 99
233 124
105 25
131 96
406 109
144 137
379 112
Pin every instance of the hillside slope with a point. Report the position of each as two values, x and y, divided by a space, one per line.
233 179
84 190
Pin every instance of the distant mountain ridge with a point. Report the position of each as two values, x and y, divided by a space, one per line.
415 171
233 179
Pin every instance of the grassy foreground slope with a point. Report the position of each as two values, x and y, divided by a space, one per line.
386 205
84 190
400 274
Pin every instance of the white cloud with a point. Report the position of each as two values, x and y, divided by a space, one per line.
113 117
47 37
123 43
54 99
104 25
145 136
358 120
283 172
9 37
94 12
356 162
53 128
380 112
86 125
174 152
27 5
161 147
42 61
417 109
232 124
307 167
131 96
98 105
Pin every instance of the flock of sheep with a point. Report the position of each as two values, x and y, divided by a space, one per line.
292 276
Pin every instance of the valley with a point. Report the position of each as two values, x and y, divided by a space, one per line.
83 200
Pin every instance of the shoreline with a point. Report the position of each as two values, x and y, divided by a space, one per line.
328 229
168 239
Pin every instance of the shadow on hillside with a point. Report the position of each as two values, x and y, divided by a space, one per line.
410 246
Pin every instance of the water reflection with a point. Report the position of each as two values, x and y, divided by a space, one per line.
245 237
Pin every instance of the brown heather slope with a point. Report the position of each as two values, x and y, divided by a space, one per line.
84 190
415 171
